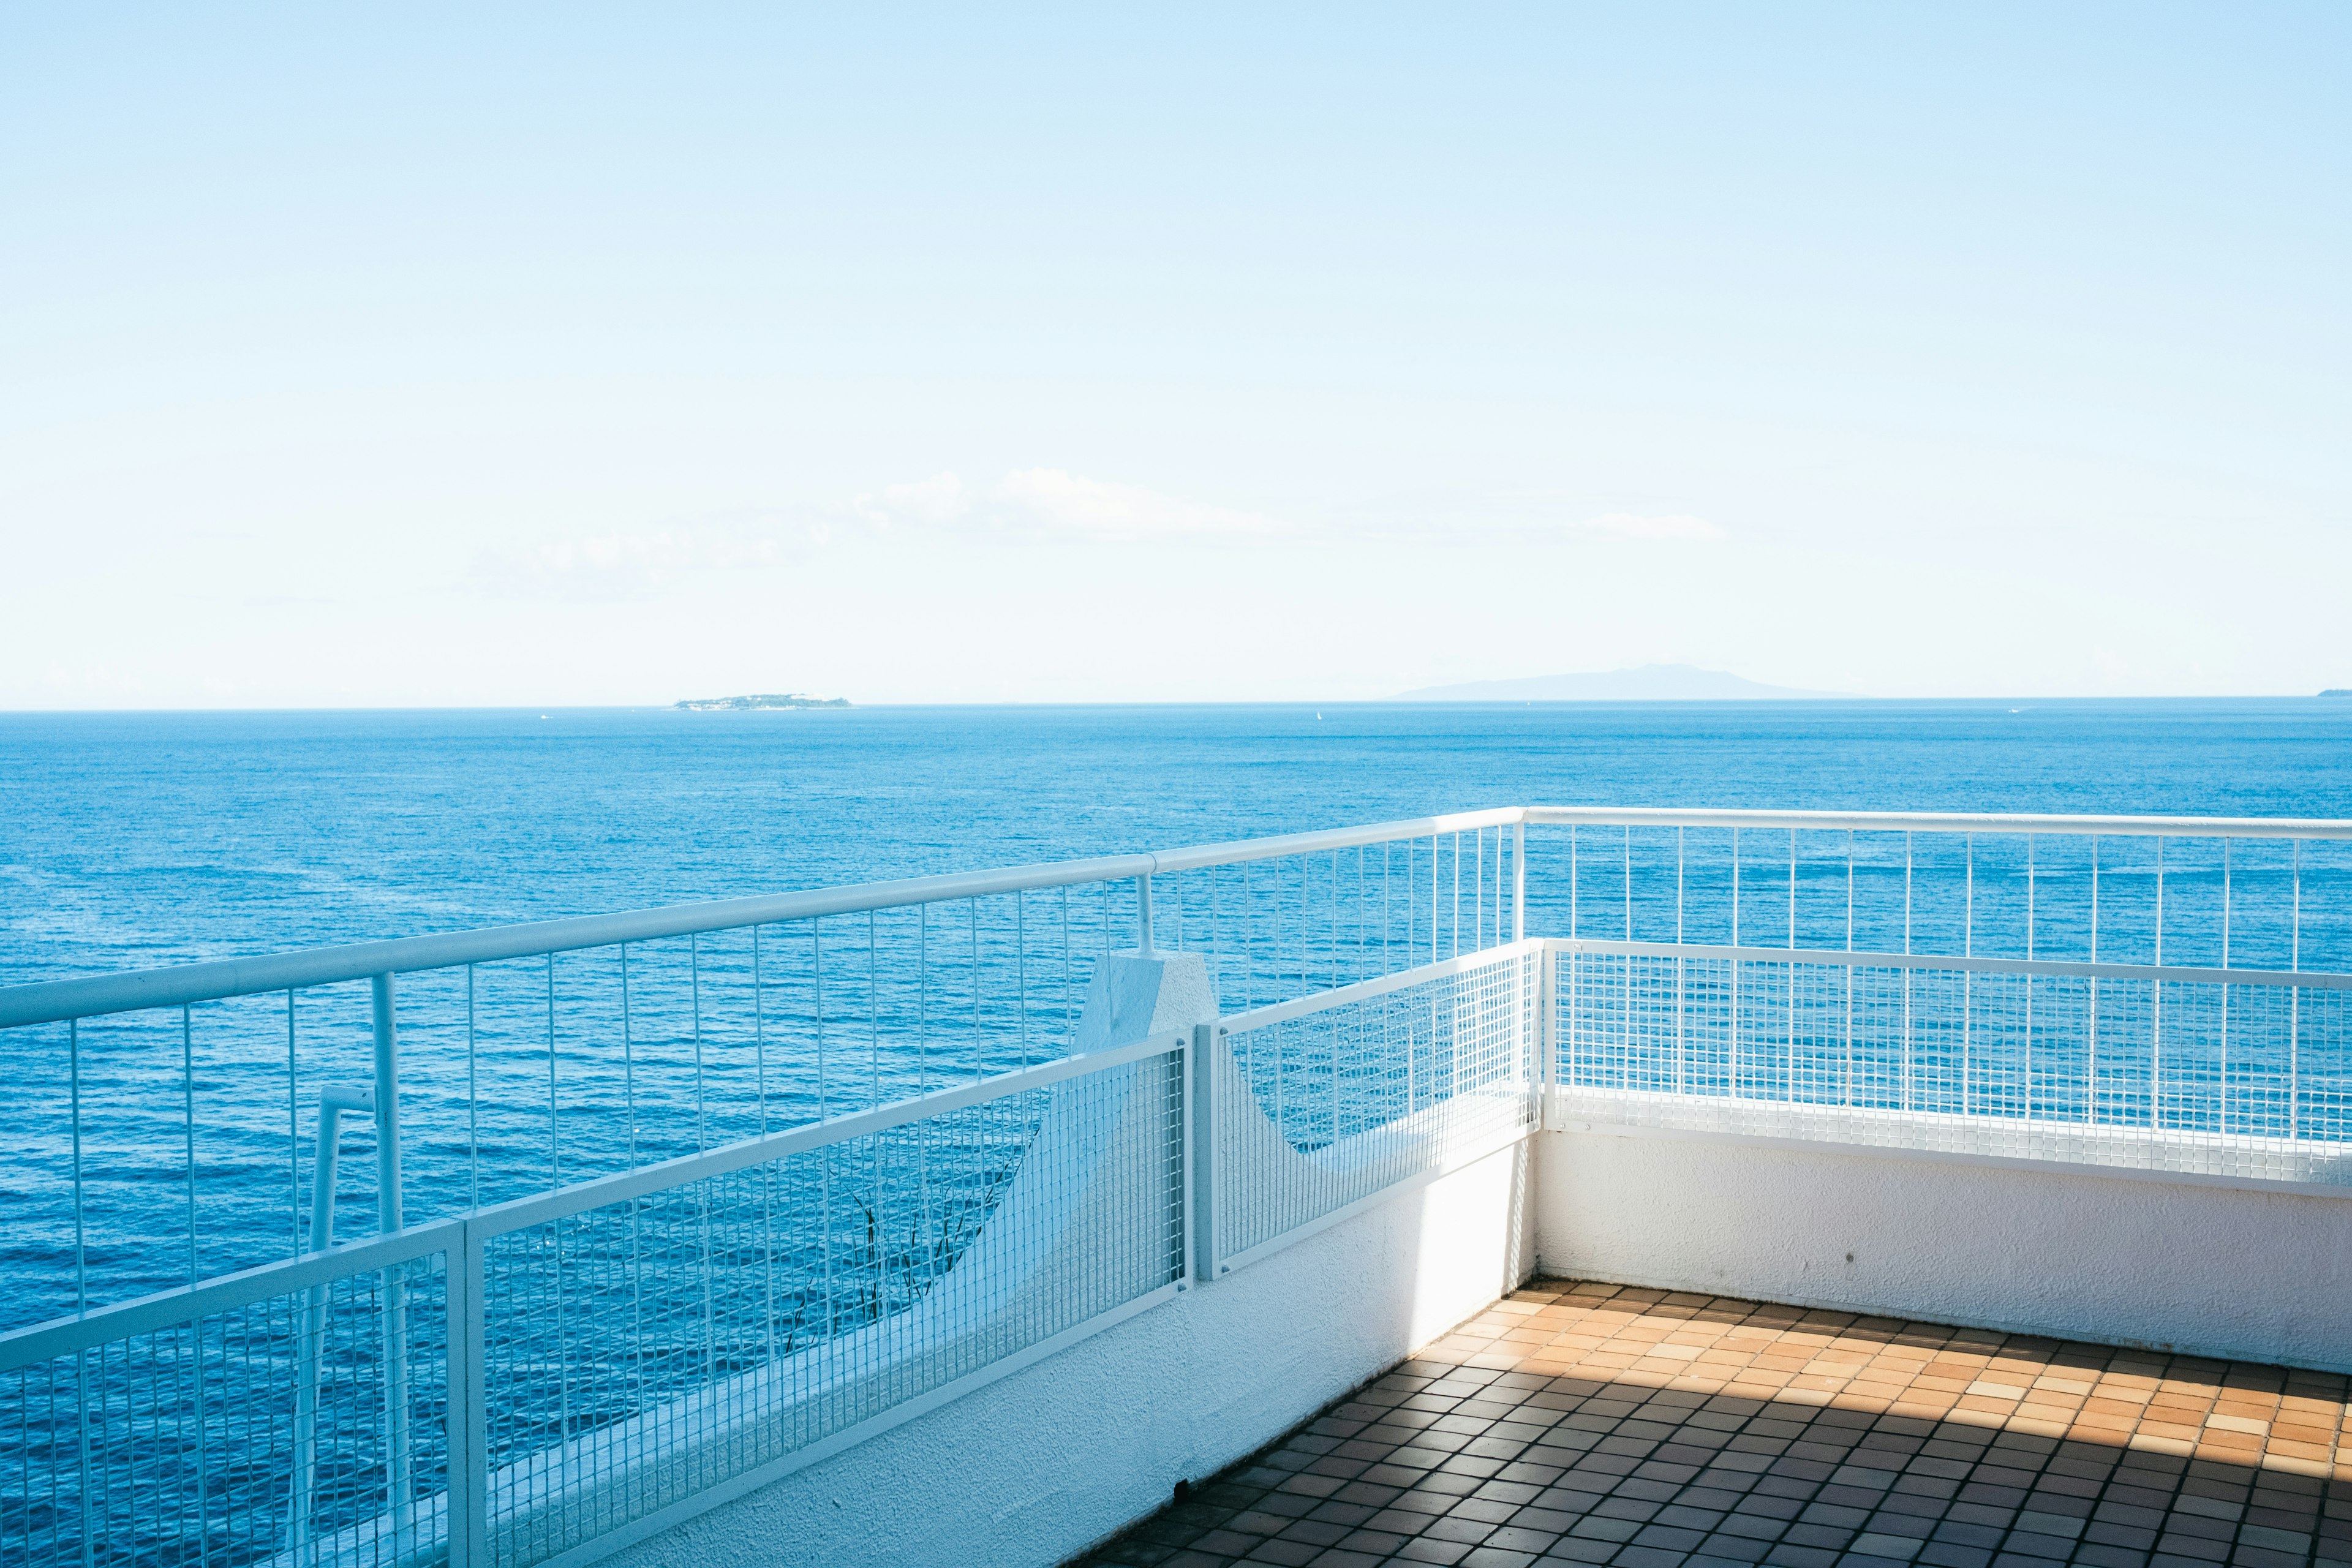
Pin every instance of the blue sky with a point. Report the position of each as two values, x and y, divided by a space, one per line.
618 355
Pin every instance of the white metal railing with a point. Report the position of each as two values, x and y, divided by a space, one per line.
582 1368
677 1309
586 1365
1319 1106
521 1059
2218 1072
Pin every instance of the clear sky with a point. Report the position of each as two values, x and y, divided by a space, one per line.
564 355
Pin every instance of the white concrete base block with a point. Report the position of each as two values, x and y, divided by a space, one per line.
1035 1467
2116 1259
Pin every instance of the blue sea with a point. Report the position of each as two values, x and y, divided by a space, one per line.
137 839
141 839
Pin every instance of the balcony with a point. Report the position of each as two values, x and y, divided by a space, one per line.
962 1220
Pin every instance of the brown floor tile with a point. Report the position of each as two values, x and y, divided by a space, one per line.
1573 1414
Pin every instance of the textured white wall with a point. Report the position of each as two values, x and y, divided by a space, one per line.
2206 1269
1037 1466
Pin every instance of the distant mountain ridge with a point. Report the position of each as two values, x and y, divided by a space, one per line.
1649 683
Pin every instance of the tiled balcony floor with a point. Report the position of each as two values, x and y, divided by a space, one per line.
1589 1424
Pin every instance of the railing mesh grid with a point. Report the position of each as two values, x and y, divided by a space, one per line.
2237 1079
642 1352
199 1443
1327 1108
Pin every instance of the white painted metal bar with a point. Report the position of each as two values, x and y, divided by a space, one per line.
54 1001
388 1222
539 1208
165 1309
466 1416
1200 1136
1362 991
2306 980
1518 882
65 1336
1946 822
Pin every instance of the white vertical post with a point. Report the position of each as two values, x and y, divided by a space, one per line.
1547 1034
1200 1147
1518 881
1571 881
1479 883
2094 981
1575 1014
468 1427
1849 968
2295 1008
1908 846
388 1219
1789 1055
2156 1011
1625 965
1143 915
2225 988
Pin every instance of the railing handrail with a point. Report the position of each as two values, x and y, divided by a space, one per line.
74 1332
1943 822
521 1213
1365 990
52 1001
1857 958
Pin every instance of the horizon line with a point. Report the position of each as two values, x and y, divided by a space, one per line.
1834 700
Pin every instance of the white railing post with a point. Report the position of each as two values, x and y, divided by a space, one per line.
388 1219
1547 1043
1201 1144
1518 881
468 1429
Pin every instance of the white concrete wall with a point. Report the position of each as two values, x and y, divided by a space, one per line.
1034 1468
2202 1268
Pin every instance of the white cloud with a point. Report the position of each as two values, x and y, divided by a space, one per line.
1663 525
1051 498
943 498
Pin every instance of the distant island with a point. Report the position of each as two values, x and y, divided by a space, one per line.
2338 691
1650 683
762 701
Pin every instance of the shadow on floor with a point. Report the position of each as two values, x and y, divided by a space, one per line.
1590 1424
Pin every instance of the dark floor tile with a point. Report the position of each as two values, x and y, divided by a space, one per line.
1952 1554
1640 1556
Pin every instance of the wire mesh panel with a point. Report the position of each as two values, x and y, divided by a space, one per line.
640 1352
168 1145
2183 890
301 1428
2101 1066
1316 1109
1277 929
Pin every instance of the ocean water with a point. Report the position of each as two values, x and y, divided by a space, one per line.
133 840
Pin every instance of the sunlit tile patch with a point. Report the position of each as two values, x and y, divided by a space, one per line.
1591 1424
